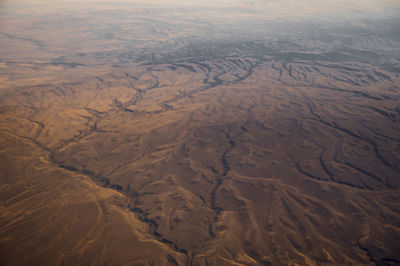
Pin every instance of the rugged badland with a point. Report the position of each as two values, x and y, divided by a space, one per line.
223 135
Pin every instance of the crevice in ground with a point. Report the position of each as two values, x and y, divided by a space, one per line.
140 213
220 179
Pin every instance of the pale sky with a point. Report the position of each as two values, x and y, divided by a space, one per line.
233 10
284 7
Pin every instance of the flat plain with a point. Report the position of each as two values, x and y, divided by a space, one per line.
158 135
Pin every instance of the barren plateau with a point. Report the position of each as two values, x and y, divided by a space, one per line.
135 134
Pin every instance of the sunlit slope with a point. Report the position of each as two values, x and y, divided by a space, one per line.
50 216
230 161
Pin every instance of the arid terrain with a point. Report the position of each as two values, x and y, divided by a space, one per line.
159 134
